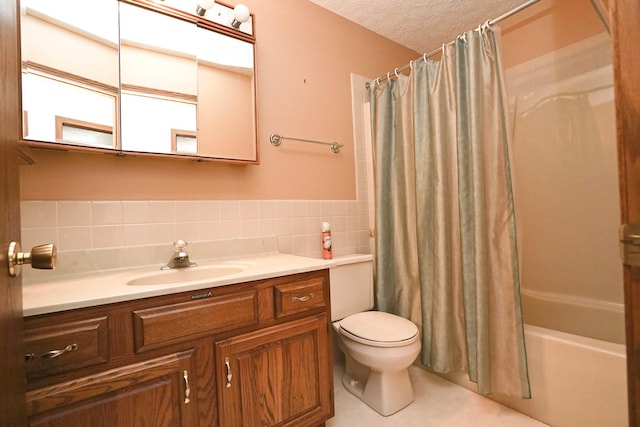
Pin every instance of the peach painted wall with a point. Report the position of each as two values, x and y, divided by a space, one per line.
305 55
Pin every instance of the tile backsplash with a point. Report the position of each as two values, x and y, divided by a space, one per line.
96 224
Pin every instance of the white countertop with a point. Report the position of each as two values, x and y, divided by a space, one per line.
108 286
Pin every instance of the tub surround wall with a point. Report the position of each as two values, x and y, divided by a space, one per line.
566 187
586 317
547 26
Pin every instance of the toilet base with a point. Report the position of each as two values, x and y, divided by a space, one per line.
371 390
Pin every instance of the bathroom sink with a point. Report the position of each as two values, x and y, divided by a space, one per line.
188 274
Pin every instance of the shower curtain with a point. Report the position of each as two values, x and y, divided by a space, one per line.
446 255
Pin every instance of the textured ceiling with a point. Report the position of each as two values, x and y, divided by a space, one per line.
421 25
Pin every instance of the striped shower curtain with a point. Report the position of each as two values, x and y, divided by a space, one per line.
446 254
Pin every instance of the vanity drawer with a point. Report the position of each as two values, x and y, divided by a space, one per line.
299 296
170 324
64 347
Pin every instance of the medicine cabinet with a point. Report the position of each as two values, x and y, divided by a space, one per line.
138 77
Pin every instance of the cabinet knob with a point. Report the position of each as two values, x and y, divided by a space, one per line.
41 257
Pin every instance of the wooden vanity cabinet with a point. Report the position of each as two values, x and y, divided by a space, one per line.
256 353
150 393
276 376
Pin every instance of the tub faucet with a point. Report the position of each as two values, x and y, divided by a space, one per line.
180 259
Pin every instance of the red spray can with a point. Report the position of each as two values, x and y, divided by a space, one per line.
326 241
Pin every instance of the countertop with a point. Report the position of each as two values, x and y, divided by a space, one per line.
89 289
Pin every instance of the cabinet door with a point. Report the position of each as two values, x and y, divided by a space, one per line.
153 393
276 376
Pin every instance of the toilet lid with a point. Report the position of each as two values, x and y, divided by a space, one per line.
380 327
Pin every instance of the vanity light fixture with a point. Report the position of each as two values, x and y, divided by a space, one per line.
241 14
203 5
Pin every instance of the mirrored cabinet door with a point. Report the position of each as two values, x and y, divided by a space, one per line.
226 97
159 81
70 74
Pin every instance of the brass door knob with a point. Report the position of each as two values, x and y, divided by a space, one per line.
41 256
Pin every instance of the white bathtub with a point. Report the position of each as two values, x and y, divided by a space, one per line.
575 380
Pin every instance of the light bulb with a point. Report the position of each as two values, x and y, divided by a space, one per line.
241 14
203 6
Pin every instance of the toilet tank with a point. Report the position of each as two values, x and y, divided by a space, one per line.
351 285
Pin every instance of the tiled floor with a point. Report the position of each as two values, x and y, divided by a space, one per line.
438 403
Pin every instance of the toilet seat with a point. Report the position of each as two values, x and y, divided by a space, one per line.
379 329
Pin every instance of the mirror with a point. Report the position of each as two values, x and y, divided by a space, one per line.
159 80
67 98
226 120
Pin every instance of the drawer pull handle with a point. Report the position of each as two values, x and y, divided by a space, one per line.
302 298
187 389
51 354
229 376
55 353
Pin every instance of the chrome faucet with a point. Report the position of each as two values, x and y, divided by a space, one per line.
180 259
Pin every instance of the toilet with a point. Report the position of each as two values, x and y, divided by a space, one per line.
378 347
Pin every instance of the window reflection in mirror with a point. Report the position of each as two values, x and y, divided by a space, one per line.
158 79
69 68
80 132
183 142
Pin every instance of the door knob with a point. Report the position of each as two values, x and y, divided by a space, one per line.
41 256
630 244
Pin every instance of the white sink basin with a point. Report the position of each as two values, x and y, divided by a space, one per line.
187 274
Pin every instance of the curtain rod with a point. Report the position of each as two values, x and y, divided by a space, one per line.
435 51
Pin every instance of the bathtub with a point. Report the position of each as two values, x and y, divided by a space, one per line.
575 380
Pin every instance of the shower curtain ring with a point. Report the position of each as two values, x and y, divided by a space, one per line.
485 26
411 65
444 46
377 81
396 73
424 57
389 76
